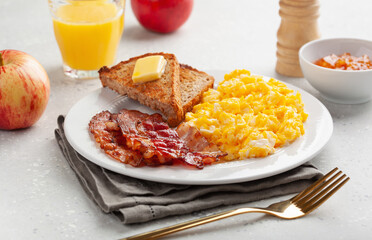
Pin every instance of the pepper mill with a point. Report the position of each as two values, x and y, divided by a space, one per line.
298 26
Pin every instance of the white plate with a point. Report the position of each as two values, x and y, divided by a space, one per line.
318 130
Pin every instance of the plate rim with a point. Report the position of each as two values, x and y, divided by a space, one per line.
131 173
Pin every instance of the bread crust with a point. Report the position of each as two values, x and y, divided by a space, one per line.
200 80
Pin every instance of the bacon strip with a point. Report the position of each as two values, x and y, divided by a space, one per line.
107 133
150 135
195 141
147 140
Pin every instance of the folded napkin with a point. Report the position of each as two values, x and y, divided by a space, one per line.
134 200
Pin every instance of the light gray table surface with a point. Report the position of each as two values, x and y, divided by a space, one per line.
40 197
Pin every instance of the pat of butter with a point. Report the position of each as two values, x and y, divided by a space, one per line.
148 69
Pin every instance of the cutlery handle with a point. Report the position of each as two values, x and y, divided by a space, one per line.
189 224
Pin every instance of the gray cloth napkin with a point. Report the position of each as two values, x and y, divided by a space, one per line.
134 200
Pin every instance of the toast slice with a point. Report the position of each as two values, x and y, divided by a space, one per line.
163 94
193 84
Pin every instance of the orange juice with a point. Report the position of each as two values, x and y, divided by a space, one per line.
88 33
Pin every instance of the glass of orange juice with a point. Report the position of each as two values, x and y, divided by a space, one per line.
88 33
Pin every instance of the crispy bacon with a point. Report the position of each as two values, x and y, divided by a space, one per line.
195 141
147 140
107 133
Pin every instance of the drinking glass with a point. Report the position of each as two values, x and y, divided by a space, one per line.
88 33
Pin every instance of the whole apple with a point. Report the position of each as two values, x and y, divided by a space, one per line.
163 16
24 90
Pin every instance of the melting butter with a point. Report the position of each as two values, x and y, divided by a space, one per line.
149 69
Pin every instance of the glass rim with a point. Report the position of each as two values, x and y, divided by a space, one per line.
55 4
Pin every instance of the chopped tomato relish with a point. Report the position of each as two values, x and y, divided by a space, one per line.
345 62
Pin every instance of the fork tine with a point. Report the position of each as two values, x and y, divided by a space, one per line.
310 207
318 193
317 189
313 186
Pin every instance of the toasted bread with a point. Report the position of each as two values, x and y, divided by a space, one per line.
193 84
175 93
163 94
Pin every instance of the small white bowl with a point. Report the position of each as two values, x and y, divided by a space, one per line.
340 86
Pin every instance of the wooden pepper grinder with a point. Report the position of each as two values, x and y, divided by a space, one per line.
298 26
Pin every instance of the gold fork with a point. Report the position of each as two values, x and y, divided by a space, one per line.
298 206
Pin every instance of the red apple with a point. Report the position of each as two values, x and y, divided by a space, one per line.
24 90
162 16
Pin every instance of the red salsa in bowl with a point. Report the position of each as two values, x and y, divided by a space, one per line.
345 62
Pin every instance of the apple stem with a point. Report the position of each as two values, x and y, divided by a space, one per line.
1 60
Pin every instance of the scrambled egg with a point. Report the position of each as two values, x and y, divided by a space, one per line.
248 117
